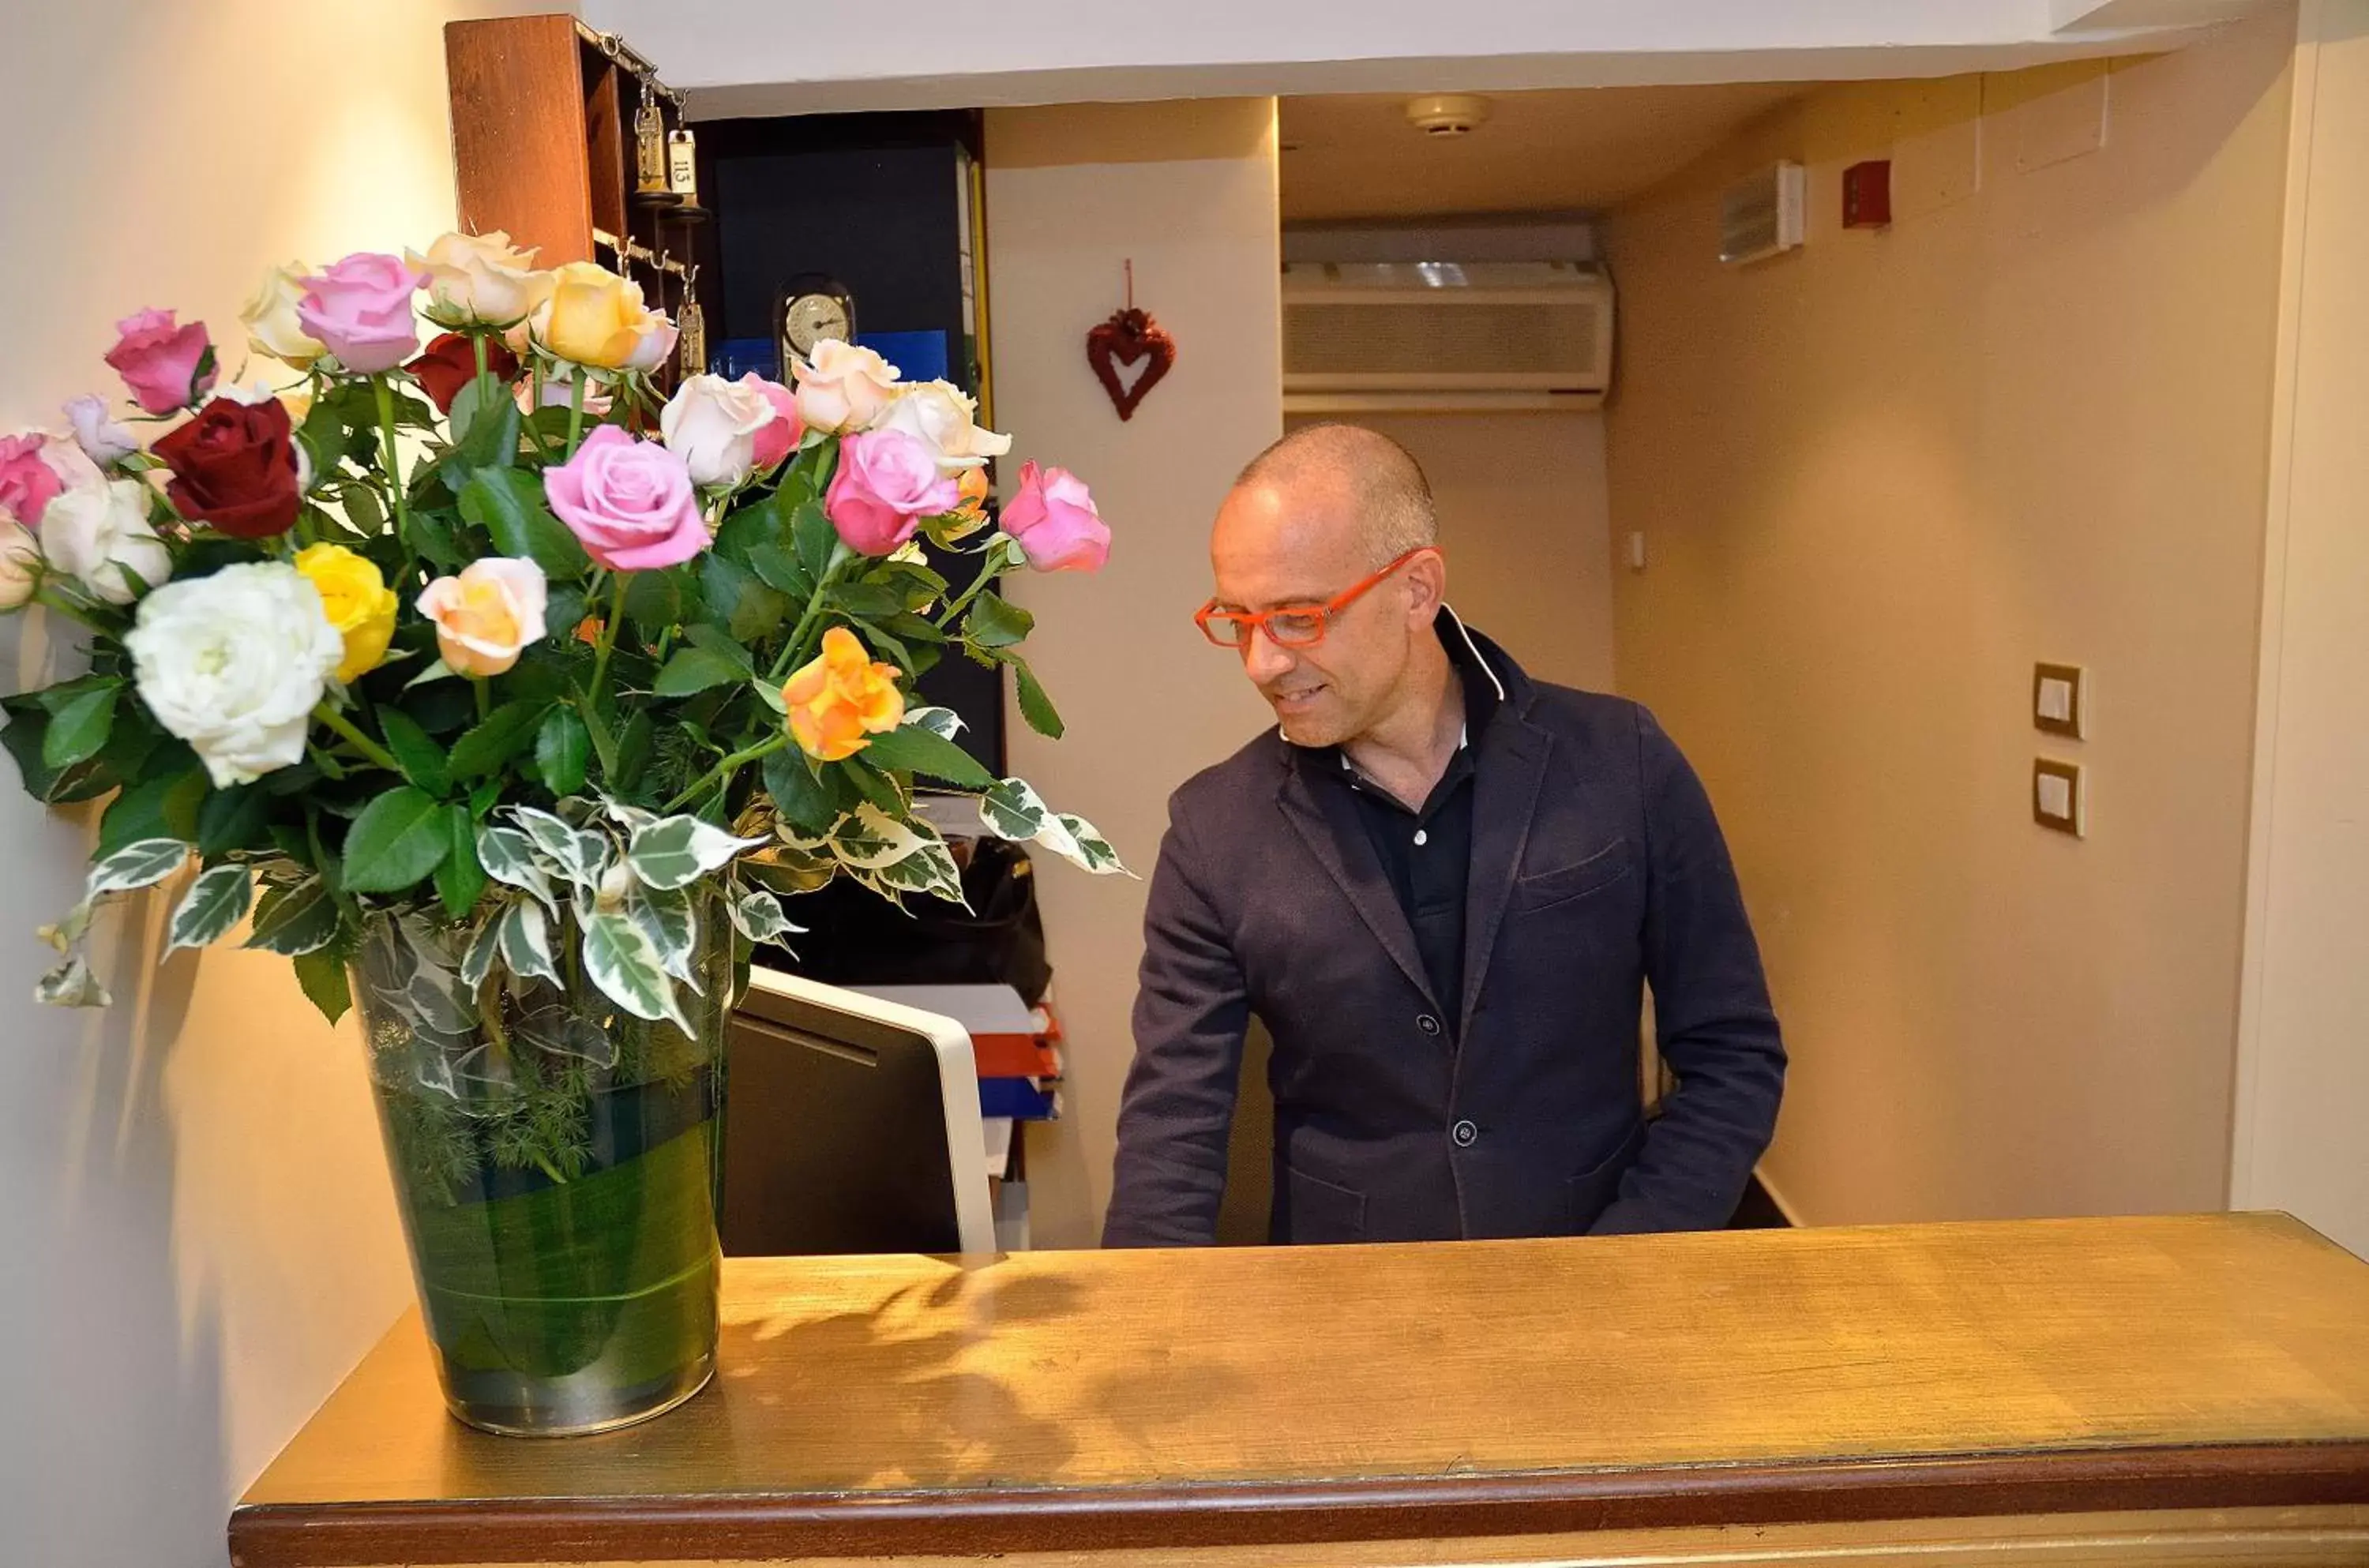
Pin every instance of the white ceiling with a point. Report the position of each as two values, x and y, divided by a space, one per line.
1574 149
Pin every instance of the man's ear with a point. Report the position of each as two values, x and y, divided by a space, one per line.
1426 579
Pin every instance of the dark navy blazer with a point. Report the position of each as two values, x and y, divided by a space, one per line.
1597 868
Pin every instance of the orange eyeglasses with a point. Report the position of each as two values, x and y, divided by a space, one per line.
1289 626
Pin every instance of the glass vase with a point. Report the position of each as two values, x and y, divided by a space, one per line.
556 1161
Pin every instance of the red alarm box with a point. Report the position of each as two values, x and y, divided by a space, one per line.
1867 194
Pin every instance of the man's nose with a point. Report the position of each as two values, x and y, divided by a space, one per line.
1264 659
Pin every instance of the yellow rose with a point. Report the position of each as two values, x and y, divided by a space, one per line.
841 699
359 604
594 318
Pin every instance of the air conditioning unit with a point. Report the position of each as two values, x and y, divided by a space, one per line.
1440 335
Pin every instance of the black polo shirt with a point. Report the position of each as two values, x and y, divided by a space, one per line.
1428 853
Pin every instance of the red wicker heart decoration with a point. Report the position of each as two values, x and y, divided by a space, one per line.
1128 335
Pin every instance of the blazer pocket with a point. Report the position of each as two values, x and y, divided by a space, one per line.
1545 890
1322 1211
1589 1194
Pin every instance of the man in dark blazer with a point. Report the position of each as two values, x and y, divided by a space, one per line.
1441 885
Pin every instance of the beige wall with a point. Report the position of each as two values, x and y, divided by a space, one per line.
197 1230
1188 191
1524 513
1883 476
2302 1086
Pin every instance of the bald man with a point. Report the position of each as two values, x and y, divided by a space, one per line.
1442 886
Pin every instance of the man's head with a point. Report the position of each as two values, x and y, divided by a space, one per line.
1310 516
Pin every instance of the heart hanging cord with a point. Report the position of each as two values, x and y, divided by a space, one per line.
1130 334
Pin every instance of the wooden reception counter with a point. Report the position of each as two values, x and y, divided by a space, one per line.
2128 1390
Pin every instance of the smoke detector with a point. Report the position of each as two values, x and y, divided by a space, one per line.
1447 114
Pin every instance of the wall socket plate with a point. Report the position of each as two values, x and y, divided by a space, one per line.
2060 700
2058 800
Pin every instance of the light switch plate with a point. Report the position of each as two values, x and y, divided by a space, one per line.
2060 700
2057 799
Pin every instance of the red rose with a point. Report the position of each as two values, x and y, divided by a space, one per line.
448 364
235 467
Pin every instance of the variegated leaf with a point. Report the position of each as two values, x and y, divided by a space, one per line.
944 723
70 984
510 857
674 927
626 964
897 857
758 916
484 948
525 938
216 901
143 864
294 921
677 850
1093 852
578 857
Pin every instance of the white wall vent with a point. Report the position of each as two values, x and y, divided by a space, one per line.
1763 215
1445 335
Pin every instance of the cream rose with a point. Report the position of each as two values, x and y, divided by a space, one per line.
270 316
234 664
946 420
20 564
595 318
479 280
845 389
712 425
97 532
486 616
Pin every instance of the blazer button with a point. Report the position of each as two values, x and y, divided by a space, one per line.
1465 1134
1428 1023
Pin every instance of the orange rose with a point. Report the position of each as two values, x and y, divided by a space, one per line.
841 698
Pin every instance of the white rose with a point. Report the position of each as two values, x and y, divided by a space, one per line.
270 316
653 342
20 564
941 416
101 439
234 664
712 425
95 533
845 389
479 280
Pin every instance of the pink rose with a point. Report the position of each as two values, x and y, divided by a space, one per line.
34 468
781 438
1054 523
630 502
887 482
27 483
166 367
361 310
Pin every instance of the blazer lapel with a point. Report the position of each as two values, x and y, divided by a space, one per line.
1512 766
1327 820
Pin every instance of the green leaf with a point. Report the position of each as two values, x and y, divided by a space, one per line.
322 973
913 748
877 787
675 851
235 819
80 724
489 444
460 879
1034 705
777 568
165 806
739 601
563 750
139 865
623 962
798 793
604 741
421 759
508 503
296 920
813 538
655 599
719 642
866 599
216 901
400 837
994 622
495 740
695 670
769 692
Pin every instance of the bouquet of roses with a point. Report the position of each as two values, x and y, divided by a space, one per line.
484 639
